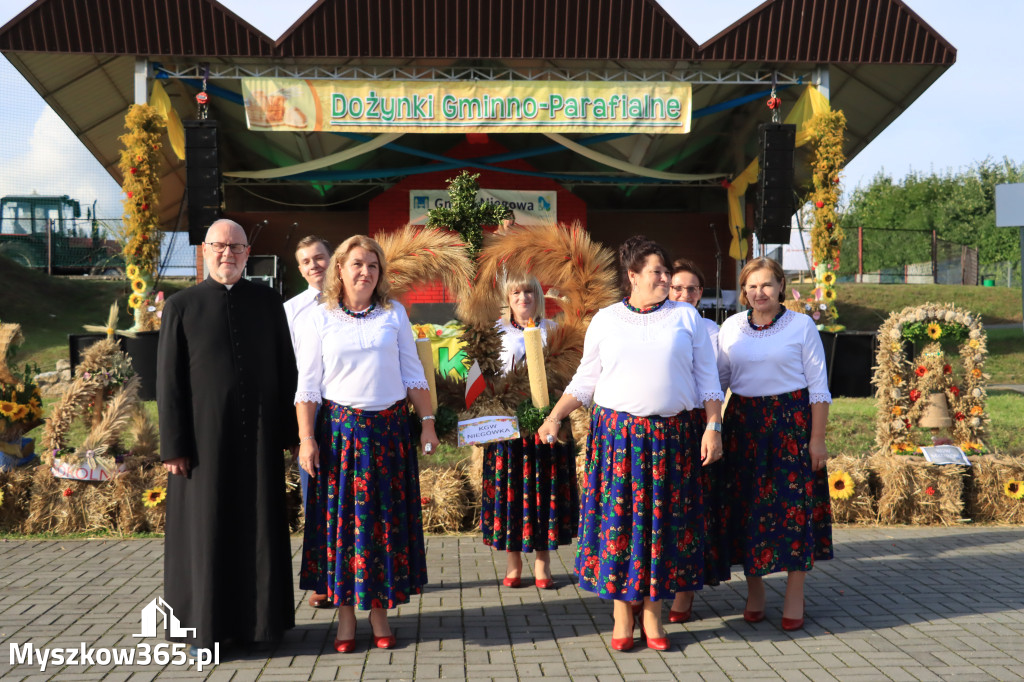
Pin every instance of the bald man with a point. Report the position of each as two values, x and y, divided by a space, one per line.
225 383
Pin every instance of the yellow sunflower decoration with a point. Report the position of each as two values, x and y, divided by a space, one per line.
934 330
830 294
829 278
132 271
134 301
154 496
840 485
1 498
139 286
7 408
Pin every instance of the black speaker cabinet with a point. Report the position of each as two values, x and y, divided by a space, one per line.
774 207
202 177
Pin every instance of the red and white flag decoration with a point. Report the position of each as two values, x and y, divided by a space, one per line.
475 384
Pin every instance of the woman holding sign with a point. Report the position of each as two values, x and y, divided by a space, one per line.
363 544
647 362
530 502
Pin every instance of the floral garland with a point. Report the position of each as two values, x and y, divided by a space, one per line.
826 133
903 386
140 167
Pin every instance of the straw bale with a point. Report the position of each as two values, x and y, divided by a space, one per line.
88 508
475 472
986 500
859 507
445 497
16 485
904 483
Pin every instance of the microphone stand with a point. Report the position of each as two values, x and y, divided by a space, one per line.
718 276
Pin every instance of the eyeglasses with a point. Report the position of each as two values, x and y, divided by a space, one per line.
689 290
218 247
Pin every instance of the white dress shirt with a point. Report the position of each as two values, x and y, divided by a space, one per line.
298 305
785 357
513 343
658 363
368 363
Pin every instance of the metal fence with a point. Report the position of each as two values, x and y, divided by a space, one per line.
1001 274
878 256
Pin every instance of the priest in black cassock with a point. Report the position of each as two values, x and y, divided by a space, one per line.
225 385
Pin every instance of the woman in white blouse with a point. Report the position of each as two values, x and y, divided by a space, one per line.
687 286
363 544
647 362
776 506
530 502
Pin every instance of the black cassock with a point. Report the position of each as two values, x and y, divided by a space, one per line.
225 390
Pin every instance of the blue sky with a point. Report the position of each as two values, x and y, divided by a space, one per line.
972 112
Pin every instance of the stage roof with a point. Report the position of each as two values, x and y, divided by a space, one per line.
874 57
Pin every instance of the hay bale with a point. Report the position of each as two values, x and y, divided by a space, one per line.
476 474
156 517
911 490
16 485
445 498
986 499
859 507
63 506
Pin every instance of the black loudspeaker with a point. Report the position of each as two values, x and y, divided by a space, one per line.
774 209
202 177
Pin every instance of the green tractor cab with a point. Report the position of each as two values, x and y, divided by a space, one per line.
49 233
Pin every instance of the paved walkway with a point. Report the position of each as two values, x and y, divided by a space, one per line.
896 604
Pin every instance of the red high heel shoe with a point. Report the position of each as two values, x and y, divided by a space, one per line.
679 616
753 616
656 643
512 582
386 642
544 583
345 646
790 624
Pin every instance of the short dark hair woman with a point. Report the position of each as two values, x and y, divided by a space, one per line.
647 362
776 509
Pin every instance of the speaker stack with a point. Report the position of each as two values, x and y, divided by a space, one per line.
774 208
202 177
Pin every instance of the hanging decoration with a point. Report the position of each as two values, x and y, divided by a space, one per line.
140 170
826 131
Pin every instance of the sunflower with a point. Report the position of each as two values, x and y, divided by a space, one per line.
20 412
7 408
154 496
829 278
976 373
840 485
132 271
1014 489
934 330
139 286
1 498
134 301
830 294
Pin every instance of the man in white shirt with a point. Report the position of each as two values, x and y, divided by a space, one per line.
312 254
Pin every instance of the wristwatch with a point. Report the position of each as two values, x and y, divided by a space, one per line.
714 426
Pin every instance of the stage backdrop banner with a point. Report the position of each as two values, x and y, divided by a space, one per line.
467 106
531 207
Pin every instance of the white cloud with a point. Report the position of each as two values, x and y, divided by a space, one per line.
54 162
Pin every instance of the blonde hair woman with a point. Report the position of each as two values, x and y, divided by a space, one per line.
363 544
530 501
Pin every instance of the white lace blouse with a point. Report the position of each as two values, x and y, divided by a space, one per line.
658 363
513 344
785 357
367 363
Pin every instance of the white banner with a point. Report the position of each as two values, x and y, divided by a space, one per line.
487 430
531 208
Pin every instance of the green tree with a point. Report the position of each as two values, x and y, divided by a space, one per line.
466 215
959 206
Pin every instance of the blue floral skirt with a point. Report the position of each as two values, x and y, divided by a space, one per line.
642 521
776 511
529 500
363 543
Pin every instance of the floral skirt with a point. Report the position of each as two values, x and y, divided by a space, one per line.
775 510
642 521
530 501
363 543
716 560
